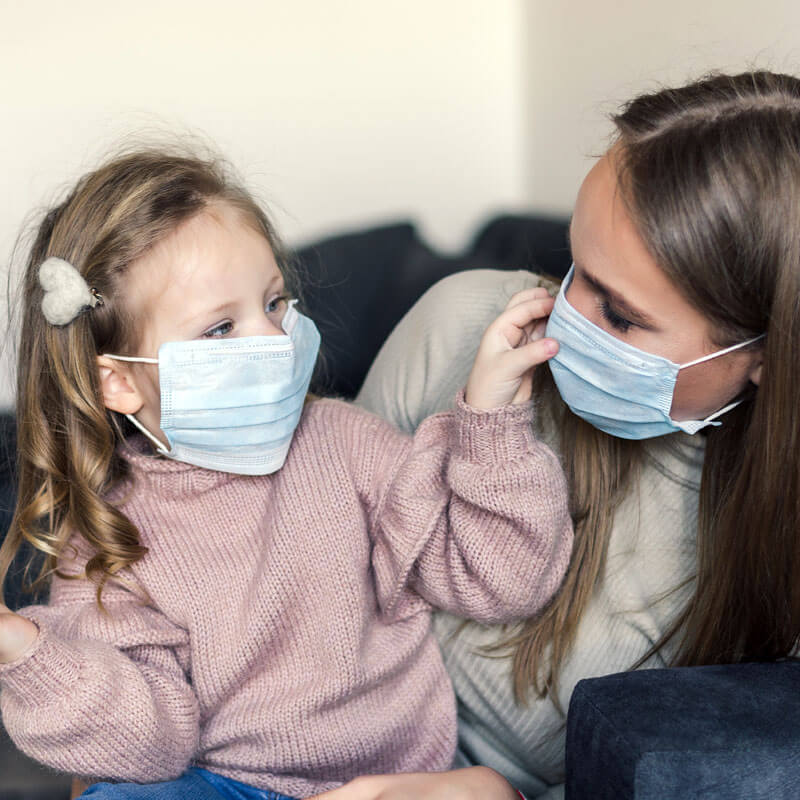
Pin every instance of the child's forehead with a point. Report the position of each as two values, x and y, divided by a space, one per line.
214 255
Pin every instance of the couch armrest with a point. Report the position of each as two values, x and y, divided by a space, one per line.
713 732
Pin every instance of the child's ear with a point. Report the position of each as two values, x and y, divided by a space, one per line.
119 389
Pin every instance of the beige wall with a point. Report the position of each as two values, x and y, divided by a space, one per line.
339 112
350 112
586 57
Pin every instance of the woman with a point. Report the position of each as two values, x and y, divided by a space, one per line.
673 409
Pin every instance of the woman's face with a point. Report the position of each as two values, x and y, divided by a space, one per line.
618 286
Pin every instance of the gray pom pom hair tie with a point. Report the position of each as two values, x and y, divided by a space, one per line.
66 293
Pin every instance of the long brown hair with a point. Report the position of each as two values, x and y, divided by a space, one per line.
66 439
710 173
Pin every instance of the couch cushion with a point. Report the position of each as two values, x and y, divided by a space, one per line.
726 732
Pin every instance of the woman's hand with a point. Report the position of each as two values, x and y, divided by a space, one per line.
17 635
472 783
510 349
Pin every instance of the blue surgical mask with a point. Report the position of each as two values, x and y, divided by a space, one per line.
233 404
618 388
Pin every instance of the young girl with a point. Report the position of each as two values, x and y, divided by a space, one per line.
241 596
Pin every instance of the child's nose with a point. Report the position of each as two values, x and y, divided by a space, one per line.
268 327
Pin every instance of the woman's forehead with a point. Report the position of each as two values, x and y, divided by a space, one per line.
606 244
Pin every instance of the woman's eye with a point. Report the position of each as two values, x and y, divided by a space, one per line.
614 320
276 303
222 329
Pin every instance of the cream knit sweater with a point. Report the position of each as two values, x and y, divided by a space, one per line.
288 643
652 548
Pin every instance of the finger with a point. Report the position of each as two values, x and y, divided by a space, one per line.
534 330
527 311
538 331
525 390
521 359
537 292
512 322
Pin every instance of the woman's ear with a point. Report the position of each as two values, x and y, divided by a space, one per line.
755 369
118 387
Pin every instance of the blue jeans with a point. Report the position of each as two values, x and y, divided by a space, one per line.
195 784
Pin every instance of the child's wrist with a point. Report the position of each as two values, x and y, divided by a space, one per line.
492 435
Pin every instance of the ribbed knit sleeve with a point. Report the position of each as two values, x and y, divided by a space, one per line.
102 689
470 516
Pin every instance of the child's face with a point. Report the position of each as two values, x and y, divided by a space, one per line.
214 277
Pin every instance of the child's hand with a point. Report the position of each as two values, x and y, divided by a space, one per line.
17 634
510 349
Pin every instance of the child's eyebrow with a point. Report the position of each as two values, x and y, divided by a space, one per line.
220 308
205 313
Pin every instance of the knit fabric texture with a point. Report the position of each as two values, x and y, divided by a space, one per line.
288 644
649 567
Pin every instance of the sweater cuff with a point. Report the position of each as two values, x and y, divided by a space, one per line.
488 436
49 668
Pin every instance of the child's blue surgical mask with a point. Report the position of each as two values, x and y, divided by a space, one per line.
233 404
618 388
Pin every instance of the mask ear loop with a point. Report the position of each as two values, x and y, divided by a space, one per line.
722 352
158 445
722 411
141 360
735 403
289 320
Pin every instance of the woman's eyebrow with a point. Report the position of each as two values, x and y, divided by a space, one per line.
621 305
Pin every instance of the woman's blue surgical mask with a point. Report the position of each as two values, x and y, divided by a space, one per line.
618 388
233 404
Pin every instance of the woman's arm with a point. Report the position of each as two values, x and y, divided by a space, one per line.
473 783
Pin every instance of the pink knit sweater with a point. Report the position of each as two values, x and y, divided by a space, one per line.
288 643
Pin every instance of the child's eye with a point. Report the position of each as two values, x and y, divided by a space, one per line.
222 329
615 320
277 303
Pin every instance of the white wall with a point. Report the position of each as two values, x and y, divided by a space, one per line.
584 58
339 112
350 112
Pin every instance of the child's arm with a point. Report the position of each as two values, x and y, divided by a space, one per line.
102 695
472 514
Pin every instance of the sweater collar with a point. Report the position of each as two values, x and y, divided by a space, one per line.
167 476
